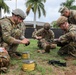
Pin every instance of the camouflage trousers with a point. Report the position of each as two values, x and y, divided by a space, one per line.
4 60
69 49
46 45
12 47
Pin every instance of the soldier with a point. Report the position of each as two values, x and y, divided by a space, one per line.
67 42
35 30
11 32
45 37
70 14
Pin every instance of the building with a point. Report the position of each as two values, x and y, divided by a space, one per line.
30 24
30 28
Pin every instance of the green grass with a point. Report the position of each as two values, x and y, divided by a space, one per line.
74 62
42 67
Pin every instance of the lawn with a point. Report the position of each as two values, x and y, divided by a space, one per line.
42 67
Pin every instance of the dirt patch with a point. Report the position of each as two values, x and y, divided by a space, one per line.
70 69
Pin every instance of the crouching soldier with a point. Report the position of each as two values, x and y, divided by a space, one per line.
45 37
12 33
67 42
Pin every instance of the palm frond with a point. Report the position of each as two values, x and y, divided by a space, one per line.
28 9
37 5
69 4
4 6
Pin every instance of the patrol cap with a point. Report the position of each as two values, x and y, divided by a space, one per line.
19 12
46 26
61 20
63 9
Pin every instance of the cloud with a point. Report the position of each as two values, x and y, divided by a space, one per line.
51 7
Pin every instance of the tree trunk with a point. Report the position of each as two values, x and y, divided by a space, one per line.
35 20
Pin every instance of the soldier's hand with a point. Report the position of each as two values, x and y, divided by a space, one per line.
38 37
25 41
56 40
27 44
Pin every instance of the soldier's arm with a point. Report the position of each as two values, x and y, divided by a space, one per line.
33 34
52 35
6 34
6 30
59 43
67 37
38 34
74 14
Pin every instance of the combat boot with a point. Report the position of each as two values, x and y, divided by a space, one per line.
53 46
14 55
47 49
3 69
18 53
41 51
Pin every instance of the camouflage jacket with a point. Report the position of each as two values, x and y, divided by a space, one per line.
70 35
72 17
10 31
48 35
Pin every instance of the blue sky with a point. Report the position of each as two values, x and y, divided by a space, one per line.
51 7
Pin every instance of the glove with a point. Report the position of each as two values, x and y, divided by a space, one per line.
27 44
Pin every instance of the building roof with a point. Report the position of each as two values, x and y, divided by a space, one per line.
32 23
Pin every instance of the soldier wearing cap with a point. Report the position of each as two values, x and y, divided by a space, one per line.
11 32
67 42
45 37
70 14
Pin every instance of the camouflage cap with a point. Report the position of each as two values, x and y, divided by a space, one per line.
62 9
19 12
61 20
46 26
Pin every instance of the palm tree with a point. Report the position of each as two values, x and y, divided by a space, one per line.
69 4
4 6
35 6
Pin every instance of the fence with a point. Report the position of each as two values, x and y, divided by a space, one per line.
28 32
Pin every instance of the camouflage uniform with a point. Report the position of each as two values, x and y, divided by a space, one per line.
68 40
34 33
4 60
72 16
10 31
47 38
62 10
